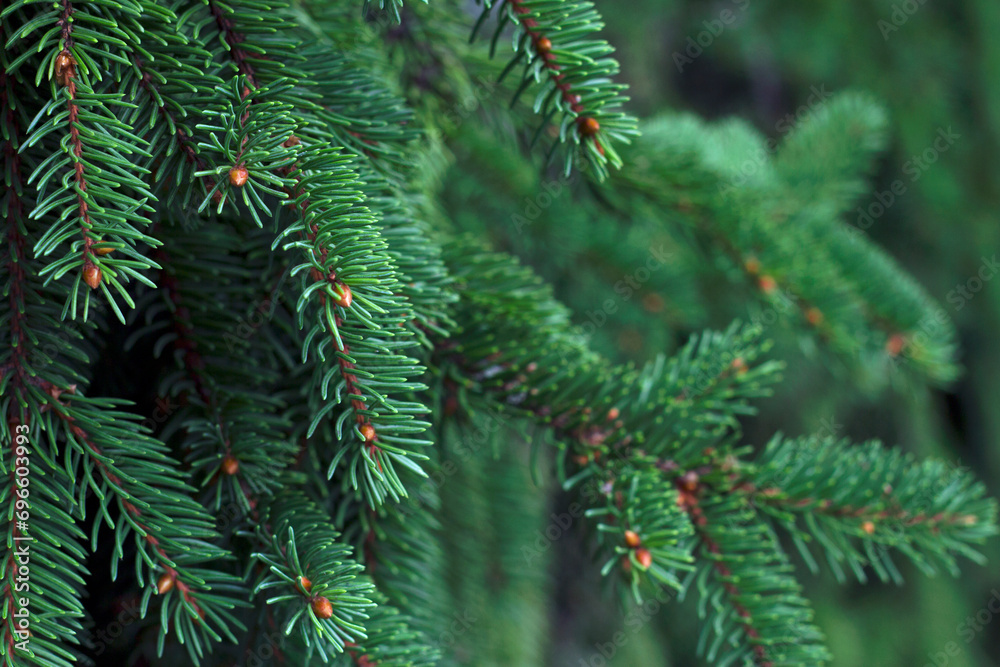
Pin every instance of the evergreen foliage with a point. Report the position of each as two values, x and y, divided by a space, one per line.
255 197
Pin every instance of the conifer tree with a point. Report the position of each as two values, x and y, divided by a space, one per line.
248 208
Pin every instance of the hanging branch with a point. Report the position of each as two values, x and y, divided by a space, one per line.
574 76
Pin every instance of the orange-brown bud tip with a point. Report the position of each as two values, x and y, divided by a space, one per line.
65 67
305 583
752 265
895 345
868 527
238 176
632 539
613 414
92 276
230 465
344 296
322 607
543 45
589 126
644 557
767 284
368 433
164 583
689 481
814 316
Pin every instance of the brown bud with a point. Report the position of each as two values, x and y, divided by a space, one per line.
238 176
613 414
689 481
644 557
632 539
92 276
588 126
752 265
164 583
322 607
291 141
653 302
895 345
543 45
343 297
102 251
305 583
368 433
65 67
767 284
868 527
814 316
230 465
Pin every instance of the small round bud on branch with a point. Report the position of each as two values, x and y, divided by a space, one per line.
322 607
238 176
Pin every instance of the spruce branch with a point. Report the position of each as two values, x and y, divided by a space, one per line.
785 240
314 583
746 588
860 502
235 435
359 317
173 533
574 75
677 419
258 140
290 179
44 561
108 200
643 528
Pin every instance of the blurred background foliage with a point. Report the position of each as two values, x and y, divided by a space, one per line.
935 66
